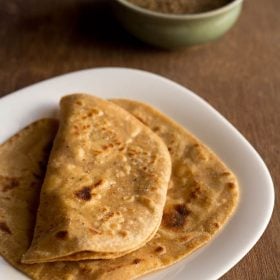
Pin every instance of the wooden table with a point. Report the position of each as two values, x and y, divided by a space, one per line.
239 75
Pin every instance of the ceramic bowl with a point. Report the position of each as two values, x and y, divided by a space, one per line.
172 30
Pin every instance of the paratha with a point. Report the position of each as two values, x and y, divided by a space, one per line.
23 160
105 186
202 195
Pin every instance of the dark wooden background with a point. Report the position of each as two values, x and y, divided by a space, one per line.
238 74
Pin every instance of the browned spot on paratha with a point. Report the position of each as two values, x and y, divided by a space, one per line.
4 227
156 128
136 261
98 183
94 230
160 250
61 234
196 192
216 225
123 233
9 183
181 209
85 270
107 216
84 194
231 185
175 218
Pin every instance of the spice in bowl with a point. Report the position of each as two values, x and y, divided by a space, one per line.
180 6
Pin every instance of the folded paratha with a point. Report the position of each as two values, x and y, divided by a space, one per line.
105 186
202 195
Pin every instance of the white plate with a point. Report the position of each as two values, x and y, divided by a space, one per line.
257 193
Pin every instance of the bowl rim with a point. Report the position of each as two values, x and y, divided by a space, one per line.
152 13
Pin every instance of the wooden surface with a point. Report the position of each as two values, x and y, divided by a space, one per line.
239 75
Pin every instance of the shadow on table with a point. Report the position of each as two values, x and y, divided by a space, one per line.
86 23
96 22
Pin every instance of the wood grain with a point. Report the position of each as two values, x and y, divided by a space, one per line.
238 74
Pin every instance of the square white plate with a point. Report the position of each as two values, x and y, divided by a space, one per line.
257 193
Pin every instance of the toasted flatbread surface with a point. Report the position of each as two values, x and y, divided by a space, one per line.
23 160
202 195
105 186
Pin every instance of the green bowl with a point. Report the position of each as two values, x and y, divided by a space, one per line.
172 31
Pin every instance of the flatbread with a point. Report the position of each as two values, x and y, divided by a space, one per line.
23 159
105 186
202 195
